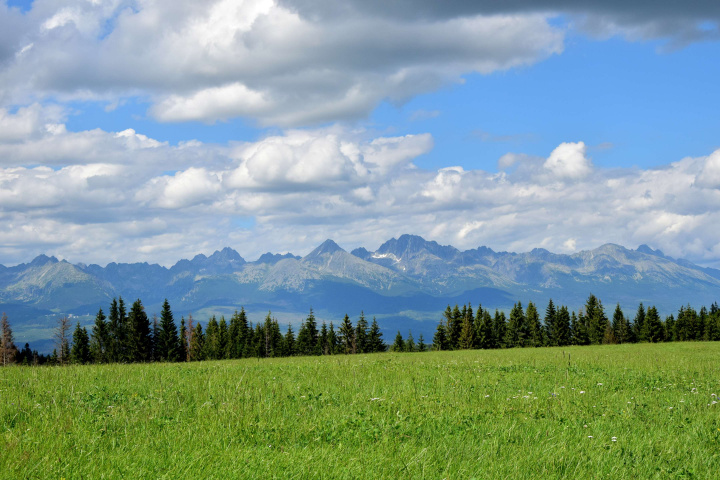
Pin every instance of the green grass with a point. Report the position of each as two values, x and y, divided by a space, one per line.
470 414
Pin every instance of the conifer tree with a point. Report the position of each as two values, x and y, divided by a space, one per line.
80 351
196 349
307 339
484 325
323 340
467 334
620 326
410 342
212 339
167 344
639 324
440 340
517 331
455 327
535 334
8 350
139 341
332 340
154 338
99 339
596 320
115 347
550 327
289 344
375 341
361 334
223 337
399 344
561 327
421 347
347 336
654 331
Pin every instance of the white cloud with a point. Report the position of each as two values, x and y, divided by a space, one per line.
106 196
568 160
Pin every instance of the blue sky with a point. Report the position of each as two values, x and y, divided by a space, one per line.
154 130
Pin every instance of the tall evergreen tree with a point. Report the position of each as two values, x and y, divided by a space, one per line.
62 341
597 321
561 327
535 333
196 346
399 344
99 339
80 351
138 346
347 336
550 327
639 324
289 344
517 331
410 342
421 346
213 347
654 331
440 340
620 326
323 340
484 326
375 341
307 339
332 340
168 343
467 334
361 334
223 335
500 328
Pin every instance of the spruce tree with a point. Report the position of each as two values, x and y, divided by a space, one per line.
289 345
347 336
550 327
399 344
484 325
375 340
440 340
139 341
654 331
596 320
196 348
639 324
421 347
620 325
361 334
517 331
410 342
100 339
467 334
168 343
332 340
535 334
80 351
561 327
224 338
323 340
212 340
307 340
499 328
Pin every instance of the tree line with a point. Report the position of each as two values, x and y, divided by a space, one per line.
464 329
124 336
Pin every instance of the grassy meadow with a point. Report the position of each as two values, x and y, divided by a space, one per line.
625 411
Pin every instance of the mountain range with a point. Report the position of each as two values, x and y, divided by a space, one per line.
406 283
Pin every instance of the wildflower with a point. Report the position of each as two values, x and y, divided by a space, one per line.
585 426
582 391
599 384
614 439
590 436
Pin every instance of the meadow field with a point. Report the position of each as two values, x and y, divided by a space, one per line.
623 411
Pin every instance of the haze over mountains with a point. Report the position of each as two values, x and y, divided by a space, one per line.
406 283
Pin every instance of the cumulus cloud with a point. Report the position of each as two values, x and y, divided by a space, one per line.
128 197
252 58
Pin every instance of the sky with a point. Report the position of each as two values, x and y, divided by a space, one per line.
154 130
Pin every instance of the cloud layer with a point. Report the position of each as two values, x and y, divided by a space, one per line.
118 196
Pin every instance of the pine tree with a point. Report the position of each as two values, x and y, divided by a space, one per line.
399 344
361 334
347 336
654 331
410 343
467 334
561 326
421 347
80 351
535 334
168 343
375 341
196 349
596 320
639 324
224 338
323 340
484 326
332 340
238 333
455 328
139 346
517 331
289 344
8 351
550 324
307 340
499 328
154 334
620 325
440 340
212 339
99 339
